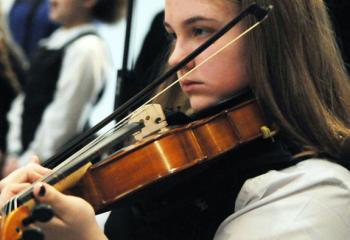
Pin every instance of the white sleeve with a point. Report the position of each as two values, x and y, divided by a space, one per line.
14 116
6 6
308 201
81 77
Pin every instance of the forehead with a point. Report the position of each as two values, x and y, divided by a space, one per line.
181 9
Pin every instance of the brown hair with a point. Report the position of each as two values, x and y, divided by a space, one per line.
298 75
7 71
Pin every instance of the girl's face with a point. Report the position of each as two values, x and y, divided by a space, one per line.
69 12
190 23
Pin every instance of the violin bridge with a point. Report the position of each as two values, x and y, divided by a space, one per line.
153 118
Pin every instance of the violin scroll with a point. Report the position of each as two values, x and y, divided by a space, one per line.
17 224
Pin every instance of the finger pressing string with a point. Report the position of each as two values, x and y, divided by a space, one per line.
38 170
47 194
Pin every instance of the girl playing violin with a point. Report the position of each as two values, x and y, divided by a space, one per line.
294 68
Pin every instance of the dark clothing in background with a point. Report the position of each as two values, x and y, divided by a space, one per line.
39 90
7 95
339 11
150 61
29 22
41 87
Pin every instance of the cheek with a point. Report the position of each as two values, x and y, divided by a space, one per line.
229 82
67 6
226 73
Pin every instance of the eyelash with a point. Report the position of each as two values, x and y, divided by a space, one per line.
195 32
199 32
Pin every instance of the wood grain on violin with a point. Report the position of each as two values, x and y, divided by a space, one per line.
163 155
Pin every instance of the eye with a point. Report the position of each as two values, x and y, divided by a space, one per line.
201 32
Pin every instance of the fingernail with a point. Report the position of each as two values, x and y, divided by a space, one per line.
42 190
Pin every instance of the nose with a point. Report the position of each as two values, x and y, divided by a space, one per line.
179 52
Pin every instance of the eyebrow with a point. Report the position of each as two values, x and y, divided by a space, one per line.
193 20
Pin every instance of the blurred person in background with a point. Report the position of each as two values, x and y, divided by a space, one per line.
29 22
65 78
11 75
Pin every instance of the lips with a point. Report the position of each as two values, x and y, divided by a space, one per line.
189 86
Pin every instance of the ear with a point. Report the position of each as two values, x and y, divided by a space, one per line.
90 3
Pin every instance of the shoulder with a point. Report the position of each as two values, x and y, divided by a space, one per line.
89 38
80 39
90 43
88 49
310 199
302 177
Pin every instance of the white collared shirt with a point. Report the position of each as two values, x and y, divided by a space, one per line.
308 201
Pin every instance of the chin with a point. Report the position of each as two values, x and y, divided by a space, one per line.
52 17
199 105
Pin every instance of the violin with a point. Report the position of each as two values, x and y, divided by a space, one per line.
164 155
154 159
151 160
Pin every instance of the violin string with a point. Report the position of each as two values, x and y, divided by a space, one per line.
72 158
8 208
10 205
76 157
15 202
5 211
97 140
123 121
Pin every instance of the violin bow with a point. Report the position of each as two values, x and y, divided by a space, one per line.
124 75
260 13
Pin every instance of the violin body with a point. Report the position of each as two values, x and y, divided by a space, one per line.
164 155
152 160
